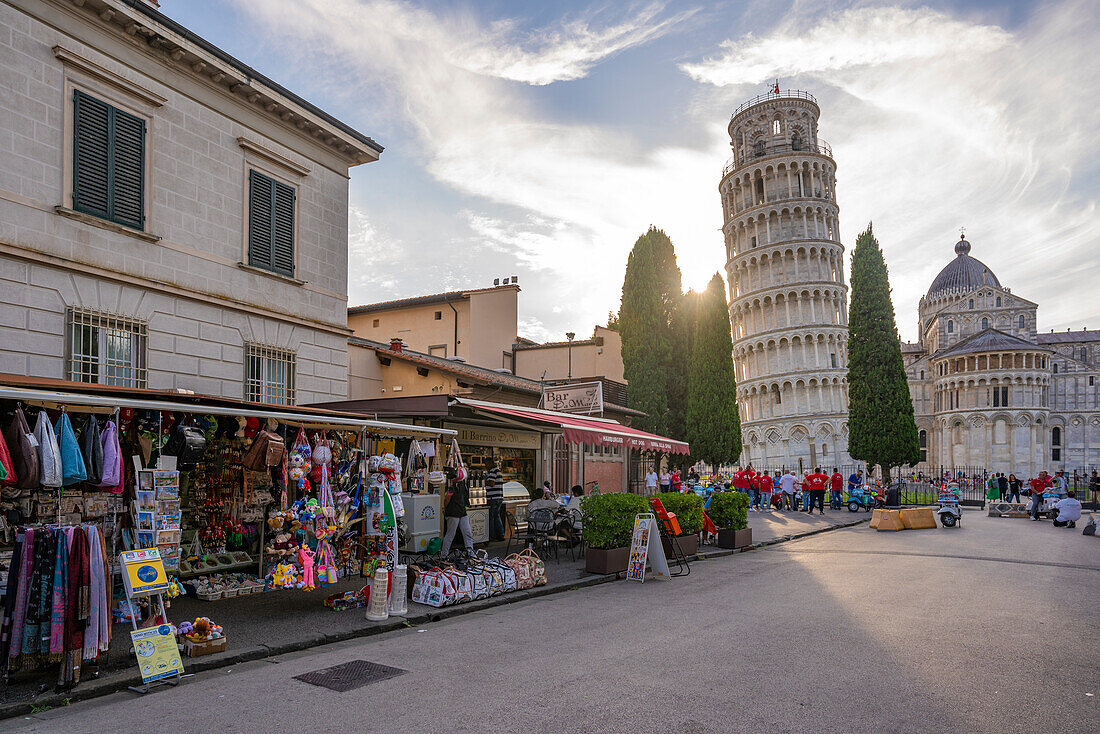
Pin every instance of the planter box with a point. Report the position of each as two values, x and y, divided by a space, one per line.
735 538
604 561
206 647
689 544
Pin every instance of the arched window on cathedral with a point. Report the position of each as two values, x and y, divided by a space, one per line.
985 324
1022 321
922 374
776 127
758 147
1084 354
1056 444
950 326
998 301
922 436
971 303
1055 368
796 142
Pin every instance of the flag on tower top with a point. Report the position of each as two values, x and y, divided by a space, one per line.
775 89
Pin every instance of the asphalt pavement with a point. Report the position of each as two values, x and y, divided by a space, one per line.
990 627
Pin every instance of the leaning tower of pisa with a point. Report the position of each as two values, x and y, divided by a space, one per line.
785 268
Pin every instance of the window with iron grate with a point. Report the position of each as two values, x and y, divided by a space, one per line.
105 348
269 374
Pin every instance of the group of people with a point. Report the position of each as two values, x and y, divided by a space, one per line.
786 491
1067 504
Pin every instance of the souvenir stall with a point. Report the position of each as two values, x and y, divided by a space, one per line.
235 498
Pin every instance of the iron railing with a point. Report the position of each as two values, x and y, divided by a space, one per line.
767 97
761 151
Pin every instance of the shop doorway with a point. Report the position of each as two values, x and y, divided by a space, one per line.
562 465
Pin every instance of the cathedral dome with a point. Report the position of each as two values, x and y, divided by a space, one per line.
962 274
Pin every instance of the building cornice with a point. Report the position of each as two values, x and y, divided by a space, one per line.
181 49
74 60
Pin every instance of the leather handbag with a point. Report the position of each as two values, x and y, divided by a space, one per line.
267 451
24 451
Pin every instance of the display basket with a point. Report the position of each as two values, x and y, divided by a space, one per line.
349 600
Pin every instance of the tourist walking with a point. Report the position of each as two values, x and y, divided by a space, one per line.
454 511
765 489
836 488
666 480
651 481
1002 486
1014 487
992 491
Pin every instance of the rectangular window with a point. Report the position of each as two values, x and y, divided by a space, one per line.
270 224
108 162
106 349
438 350
438 315
375 324
506 361
269 374
832 359
1004 397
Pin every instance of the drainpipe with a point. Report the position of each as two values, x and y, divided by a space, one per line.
456 328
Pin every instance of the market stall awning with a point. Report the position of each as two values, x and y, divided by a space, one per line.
50 392
600 431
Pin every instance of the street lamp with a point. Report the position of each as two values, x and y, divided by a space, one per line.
569 335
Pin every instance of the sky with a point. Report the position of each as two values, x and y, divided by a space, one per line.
541 139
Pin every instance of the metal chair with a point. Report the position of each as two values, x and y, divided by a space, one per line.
511 529
541 531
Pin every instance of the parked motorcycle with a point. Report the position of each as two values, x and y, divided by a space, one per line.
949 513
865 498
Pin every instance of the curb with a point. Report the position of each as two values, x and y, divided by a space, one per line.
120 680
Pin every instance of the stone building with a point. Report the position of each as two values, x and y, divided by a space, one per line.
170 218
988 390
785 269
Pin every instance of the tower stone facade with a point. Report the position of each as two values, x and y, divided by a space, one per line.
788 300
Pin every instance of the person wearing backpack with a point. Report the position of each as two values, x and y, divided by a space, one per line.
454 512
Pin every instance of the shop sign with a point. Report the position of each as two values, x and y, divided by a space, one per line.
646 541
582 397
157 654
479 436
479 525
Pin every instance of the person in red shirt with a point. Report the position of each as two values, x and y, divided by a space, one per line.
836 486
1038 485
816 484
764 488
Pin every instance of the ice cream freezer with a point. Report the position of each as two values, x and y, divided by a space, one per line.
423 517
516 498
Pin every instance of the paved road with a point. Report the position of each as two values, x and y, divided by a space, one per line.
850 631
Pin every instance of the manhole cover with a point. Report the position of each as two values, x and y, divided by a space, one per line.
348 676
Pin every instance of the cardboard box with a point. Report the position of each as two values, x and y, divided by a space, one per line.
918 518
207 647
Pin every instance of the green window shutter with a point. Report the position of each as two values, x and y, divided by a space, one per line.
260 224
128 170
108 162
270 224
283 241
91 156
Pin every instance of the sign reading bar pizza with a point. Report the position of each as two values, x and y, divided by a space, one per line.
581 397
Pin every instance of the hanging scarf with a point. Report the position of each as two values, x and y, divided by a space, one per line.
10 593
19 615
107 592
59 596
38 596
97 598
77 607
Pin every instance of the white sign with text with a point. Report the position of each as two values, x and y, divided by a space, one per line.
582 397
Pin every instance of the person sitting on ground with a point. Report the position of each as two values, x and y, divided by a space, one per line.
1069 511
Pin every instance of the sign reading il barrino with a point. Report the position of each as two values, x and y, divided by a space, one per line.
581 397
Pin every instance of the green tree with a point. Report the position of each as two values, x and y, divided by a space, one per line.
676 326
713 422
681 337
645 336
881 429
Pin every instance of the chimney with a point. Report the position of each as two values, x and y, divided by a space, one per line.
396 345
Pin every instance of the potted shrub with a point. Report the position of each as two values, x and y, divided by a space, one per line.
688 508
730 512
608 521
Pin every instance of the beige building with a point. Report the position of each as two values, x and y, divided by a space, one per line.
170 218
600 356
477 326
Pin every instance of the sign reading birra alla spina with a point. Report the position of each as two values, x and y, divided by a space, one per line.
581 397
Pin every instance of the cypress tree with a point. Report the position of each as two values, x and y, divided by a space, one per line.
881 429
677 328
713 422
644 336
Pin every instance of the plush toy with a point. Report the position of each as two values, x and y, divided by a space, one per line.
306 558
185 628
297 470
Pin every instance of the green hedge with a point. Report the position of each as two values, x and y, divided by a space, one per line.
729 510
688 508
609 519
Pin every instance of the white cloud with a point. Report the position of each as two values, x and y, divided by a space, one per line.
936 123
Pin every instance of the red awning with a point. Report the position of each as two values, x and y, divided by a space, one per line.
578 429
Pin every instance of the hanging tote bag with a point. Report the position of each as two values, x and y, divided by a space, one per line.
49 453
537 566
454 460
73 470
112 459
24 451
7 467
91 446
